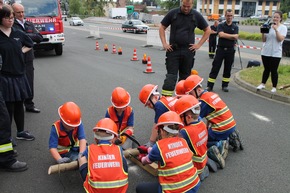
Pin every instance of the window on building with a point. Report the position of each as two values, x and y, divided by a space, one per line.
266 12
237 12
222 2
237 2
260 2
221 11
267 3
229 2
275 3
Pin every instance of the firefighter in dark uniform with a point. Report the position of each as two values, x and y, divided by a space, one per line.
212 39
181 48
228 34
21 24
7 155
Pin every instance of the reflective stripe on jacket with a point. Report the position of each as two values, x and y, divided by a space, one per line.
105 170
64 141
221 118
178 173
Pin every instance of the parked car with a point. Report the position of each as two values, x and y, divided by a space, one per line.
286 44
287 23
135 26
260 17
76 21
222 18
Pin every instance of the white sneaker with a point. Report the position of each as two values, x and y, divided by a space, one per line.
273 89
261 86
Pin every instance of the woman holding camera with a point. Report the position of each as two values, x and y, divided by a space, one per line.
272 50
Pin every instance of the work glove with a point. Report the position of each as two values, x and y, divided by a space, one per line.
143 149
121 140
140 156
129 132
63 160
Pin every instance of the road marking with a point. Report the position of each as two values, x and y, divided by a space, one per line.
260 117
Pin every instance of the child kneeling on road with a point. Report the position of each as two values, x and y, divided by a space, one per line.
176 171
103 166
67 135
123 115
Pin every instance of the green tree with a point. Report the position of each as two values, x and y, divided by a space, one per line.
285 6
170 4
74 7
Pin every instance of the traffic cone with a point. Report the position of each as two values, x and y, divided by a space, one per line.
144 60
106 48
97 45
114 49
134 56
120 51
194 72
149 66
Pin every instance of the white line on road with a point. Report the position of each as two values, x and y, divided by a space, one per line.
260 117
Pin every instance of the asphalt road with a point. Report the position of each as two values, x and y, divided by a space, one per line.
87 77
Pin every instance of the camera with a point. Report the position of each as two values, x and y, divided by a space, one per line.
265 28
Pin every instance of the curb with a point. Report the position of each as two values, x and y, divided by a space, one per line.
264 93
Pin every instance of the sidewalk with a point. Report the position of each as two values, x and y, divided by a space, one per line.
264 93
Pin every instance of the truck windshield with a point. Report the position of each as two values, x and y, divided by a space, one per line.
38 8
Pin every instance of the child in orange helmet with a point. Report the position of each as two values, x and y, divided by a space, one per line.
103 166
176 172
67 135
123 115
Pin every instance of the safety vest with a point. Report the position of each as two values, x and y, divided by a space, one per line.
221 118
198 135
64 142
168 102
105 170
178 173
113 116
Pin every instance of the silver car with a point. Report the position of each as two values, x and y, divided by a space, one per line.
76 21
135 26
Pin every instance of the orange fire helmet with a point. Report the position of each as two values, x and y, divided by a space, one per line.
169 118
179 88
120 98
192 82
186 103
108 125
146 92
70 114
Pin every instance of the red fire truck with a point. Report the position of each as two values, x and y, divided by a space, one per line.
47 18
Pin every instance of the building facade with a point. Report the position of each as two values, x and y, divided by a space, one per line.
242 8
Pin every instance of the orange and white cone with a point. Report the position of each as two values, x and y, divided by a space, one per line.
97 45
134 56
114 49
149 66
106 48
120 51
144 60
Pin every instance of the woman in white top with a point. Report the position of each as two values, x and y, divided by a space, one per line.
272 50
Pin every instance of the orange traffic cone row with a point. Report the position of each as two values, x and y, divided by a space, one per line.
149 66
106 48
114 49
144 60
134 56
120 51
97 45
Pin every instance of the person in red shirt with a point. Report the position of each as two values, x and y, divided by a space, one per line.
103 166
